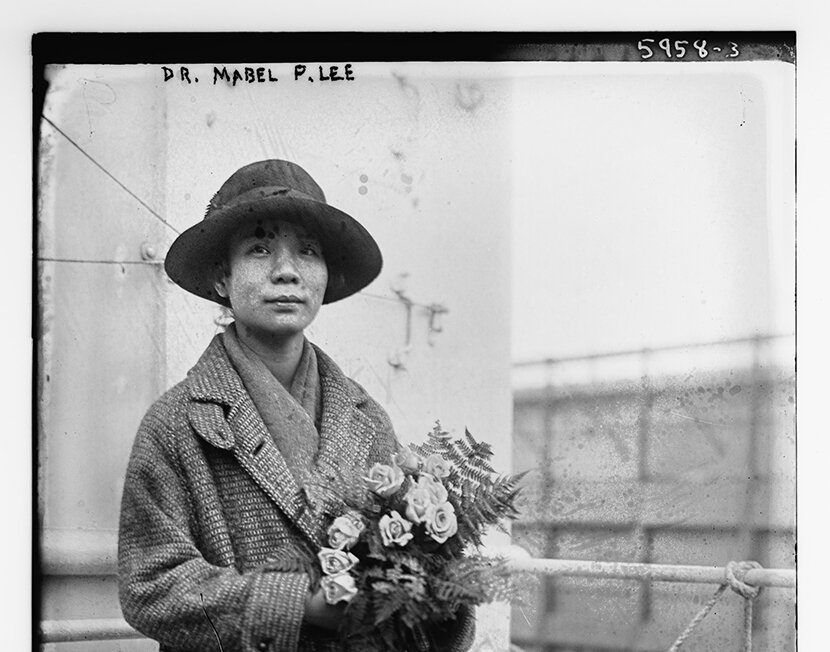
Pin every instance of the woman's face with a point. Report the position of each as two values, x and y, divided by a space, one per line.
275 280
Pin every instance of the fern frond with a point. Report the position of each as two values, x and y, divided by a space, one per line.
391 603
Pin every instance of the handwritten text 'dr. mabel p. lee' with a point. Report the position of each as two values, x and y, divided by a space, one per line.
232 75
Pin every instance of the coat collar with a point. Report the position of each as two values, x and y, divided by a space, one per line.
223 414
213 378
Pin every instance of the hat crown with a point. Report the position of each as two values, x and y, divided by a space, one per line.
273 173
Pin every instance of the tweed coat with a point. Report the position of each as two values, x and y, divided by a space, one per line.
210 509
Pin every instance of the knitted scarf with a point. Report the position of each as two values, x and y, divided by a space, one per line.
292 416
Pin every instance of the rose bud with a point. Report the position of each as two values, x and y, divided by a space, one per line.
408 460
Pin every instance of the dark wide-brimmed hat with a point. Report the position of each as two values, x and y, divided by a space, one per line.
273 190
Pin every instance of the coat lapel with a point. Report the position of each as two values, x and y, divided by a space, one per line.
222 412
260 457
346 431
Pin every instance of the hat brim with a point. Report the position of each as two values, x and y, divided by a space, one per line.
352 256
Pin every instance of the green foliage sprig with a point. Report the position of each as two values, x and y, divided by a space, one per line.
407 594
484 498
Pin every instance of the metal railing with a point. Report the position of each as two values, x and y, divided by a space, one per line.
655 363
92 629
612 570
95 556
754 340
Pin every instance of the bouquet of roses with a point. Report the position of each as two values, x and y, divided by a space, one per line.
403 544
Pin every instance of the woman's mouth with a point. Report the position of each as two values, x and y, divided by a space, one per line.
285 299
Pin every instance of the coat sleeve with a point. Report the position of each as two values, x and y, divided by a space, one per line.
169 592
458 634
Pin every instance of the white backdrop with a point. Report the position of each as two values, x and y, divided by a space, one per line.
420 154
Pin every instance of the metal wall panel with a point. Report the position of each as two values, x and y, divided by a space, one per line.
102 342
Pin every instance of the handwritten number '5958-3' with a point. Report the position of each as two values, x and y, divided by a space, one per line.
677 49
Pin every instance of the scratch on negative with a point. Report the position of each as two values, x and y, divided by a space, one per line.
210 622
695 419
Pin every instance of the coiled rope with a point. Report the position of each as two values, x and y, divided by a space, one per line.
735 573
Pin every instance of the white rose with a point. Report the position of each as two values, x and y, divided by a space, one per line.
395 529
385 480
338 588
437 466
443 523
345 531
334 562
419 504
436 490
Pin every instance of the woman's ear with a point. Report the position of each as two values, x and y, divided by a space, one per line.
221 283
221 289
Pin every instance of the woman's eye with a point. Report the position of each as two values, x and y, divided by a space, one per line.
310 250
259 249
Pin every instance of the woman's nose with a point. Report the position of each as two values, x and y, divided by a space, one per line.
284 270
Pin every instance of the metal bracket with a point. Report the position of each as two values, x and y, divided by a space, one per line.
399 357
435 322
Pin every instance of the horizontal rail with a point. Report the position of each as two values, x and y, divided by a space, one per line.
777 577
541 362
63 631
78 552
94 629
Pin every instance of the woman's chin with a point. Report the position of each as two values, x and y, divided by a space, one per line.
275 330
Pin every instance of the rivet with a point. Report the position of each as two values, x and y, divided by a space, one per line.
148 251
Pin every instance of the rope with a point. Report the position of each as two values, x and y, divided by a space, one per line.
748 625
110 175
46 259
700 616
735 572
430 307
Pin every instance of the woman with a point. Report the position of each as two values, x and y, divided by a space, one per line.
213 510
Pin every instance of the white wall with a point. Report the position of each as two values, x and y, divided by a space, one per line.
436 196
418 153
